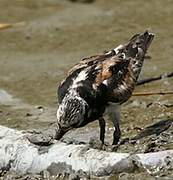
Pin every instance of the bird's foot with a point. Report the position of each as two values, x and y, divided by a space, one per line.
97 144
110 148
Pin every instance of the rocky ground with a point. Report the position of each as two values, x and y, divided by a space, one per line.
52 36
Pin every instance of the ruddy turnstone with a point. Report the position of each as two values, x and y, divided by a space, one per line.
101 83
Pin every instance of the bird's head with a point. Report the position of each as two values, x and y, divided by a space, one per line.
71 112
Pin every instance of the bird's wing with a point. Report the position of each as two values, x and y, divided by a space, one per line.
91 65
109 68
89 61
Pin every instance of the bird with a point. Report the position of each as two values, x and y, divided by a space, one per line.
100 84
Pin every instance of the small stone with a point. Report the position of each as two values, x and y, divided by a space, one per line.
74 177
95 143
28 37
57 28
41 108
28 114
45 174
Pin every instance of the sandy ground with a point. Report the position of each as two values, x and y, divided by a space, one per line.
56 34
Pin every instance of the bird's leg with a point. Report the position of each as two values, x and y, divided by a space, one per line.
102 129
117 132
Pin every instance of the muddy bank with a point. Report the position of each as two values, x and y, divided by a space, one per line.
55 35
77 159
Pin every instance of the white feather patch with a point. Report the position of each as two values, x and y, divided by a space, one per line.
105 82
116 49
81 77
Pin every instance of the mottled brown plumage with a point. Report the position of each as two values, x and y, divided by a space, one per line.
98 81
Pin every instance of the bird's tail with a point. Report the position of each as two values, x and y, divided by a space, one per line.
136 49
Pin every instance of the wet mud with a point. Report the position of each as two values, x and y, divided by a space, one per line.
54 35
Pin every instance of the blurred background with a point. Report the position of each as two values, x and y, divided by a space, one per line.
52 35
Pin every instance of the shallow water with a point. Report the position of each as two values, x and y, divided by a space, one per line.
36 55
